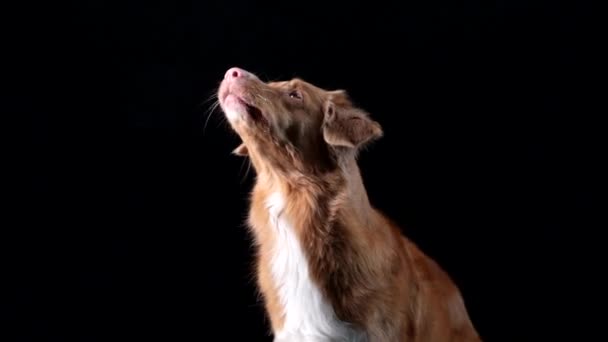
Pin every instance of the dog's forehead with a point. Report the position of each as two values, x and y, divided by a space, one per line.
297 83
340 96
278 84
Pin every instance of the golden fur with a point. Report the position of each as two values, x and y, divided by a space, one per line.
303 142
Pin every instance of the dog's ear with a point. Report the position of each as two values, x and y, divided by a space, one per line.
241 150
348 126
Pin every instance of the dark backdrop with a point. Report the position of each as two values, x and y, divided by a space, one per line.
139 233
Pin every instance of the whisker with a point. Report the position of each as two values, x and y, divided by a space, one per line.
263 98
211 111
223 121
247 171
248 161
241 168
212 96
244 178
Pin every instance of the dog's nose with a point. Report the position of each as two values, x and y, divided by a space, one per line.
236 73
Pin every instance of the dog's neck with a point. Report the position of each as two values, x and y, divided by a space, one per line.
342 189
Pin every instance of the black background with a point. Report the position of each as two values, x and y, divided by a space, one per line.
139 234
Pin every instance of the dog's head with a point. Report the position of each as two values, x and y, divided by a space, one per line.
293 125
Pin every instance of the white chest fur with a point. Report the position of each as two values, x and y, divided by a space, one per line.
308 315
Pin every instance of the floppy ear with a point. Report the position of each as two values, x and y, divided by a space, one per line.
348 126
241 150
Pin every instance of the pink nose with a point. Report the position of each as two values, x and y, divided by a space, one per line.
236 73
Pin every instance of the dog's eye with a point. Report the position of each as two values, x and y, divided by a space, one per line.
294 94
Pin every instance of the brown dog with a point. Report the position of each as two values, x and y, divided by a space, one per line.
330 266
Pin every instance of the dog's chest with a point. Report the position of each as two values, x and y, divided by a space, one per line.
308 315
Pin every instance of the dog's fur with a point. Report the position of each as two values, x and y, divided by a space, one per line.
330 266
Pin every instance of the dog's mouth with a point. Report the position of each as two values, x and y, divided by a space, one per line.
241 104
255 113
